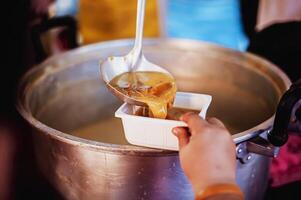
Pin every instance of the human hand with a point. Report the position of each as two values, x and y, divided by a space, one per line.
207 152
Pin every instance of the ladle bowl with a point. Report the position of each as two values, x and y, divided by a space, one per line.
114 66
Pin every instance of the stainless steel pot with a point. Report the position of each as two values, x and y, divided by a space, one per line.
65 92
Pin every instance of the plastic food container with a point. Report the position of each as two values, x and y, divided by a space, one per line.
156 133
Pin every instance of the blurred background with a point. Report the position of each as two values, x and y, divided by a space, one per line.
37 29
106 20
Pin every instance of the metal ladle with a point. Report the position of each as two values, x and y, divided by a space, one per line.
133 61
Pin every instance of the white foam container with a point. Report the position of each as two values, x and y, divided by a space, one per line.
156 133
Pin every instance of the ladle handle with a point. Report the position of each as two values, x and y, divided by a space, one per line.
279 134
139 32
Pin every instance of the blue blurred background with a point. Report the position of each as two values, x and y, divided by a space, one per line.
216 21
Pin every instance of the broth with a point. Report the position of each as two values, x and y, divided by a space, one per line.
108 130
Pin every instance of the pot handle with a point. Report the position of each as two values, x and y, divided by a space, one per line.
37 30
279 134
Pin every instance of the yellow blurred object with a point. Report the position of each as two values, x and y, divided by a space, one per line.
101 20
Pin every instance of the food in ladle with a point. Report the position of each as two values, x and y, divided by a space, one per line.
156 89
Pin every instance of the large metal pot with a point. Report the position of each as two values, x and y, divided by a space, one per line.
65 93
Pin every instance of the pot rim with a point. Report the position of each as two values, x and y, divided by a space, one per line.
23 108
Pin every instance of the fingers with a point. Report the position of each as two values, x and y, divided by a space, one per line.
216 122
194 122
182 135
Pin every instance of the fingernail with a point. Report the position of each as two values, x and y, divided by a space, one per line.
175 131
186 114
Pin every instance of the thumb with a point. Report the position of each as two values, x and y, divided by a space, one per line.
182 135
